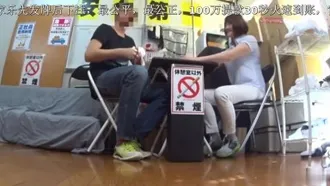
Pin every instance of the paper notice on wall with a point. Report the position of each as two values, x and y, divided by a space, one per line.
60 31
31 70
189 19
89 10
23 36
159 16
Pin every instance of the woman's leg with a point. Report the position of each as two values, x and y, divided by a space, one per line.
210 120
226 97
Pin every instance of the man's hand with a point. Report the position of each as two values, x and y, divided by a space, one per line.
137 60
130 53
140 59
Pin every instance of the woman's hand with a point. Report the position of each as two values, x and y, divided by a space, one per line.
190 57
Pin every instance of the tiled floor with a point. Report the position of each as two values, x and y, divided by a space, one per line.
21 166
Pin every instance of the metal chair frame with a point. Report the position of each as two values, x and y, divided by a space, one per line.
110 114
267 101
77 74
83 73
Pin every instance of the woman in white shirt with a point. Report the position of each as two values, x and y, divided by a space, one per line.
242 61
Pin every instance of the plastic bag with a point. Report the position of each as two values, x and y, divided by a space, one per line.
303 26
299 86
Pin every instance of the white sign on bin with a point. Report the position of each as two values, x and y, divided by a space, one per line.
187 90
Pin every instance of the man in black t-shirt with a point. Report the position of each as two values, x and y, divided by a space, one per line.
110 52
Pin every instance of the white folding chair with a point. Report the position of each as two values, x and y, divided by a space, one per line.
162 72
106 107
269 73
83 73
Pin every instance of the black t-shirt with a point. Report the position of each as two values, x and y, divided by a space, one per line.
110 40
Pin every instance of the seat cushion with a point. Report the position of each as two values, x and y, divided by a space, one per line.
252 105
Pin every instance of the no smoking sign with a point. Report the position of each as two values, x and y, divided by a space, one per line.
188 87
32 68
187 90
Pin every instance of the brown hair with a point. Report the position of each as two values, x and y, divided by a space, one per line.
240 26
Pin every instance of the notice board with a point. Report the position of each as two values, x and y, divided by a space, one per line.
55 57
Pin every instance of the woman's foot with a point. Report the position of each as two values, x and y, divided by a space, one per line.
230 147
215 143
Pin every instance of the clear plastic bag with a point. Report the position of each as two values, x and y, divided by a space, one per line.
325 162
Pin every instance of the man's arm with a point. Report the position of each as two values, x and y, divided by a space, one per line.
94 53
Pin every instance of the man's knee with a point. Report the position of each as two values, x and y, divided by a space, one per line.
139 73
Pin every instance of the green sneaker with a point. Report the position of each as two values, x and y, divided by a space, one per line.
229 149
137 147
127 152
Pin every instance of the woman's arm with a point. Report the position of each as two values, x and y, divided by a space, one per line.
227 56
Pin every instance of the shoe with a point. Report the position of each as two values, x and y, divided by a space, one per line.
137 147
127 152
215 142
229 149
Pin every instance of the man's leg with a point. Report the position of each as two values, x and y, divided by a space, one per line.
128 83
158 101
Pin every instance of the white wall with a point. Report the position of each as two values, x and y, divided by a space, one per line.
6 31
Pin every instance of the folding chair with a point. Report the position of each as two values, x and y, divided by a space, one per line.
269 73
106 108
83 73
79 73
162 72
